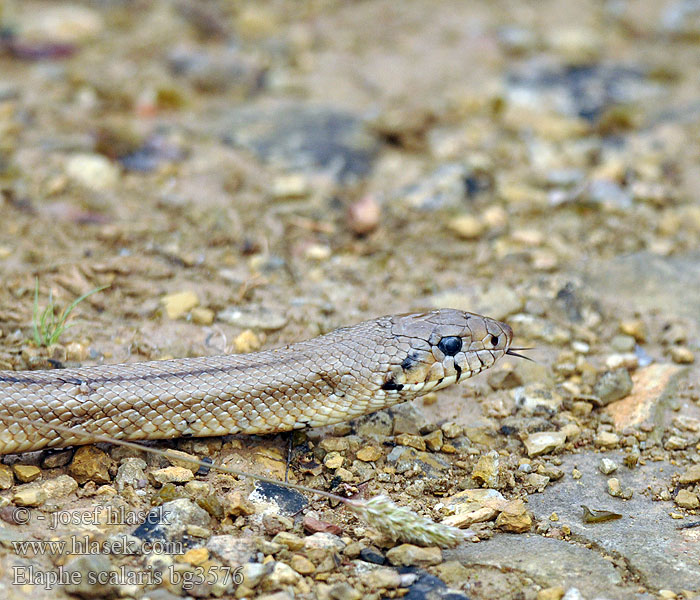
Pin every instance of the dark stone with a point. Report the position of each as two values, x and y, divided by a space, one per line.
289 501
372 555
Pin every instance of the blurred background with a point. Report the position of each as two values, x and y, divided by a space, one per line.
242 174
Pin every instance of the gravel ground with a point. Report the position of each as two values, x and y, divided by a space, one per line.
242 175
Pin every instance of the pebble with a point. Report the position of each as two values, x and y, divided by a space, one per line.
234 551
411 440
333 460
131 473
170 520
534 396
290 540
573 594
282 575
687 499
552 593
451 430
364 215
179 304
92 171
408 555
202 316
613 385
236 505
682 355
6 478
473 506
676 442
369 453
384 579
302 565
434 440
372 555
26 473
90 464
271 497
691 475
607 466
615 489
291 186
544 442
324 541
171 475
485 472
606 439
246 341
514 517
195 556
636 328
67 23
467 227
254 317
30 494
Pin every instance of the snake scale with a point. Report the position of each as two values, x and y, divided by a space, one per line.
332 378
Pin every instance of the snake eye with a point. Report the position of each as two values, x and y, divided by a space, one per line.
449 346
494 340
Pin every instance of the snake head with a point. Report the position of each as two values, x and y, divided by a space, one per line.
440 347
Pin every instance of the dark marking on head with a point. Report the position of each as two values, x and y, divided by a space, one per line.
459 372
392 385
409 362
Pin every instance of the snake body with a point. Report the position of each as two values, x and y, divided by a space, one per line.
328 379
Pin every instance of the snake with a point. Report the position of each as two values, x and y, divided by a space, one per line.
329 379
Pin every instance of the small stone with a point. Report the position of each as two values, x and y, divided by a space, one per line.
485 472
544 442
178 458
324 541
233 551
514 517
333 460
434 440
179 304
76 352
623 343
92 171
369 453
246 341
195 556
615 490
286 187
411 440
30 494
171 475
687 499
384 579
26 473
682 355
254 317
635 328
293 542
6 478
317 252
612 386
90 464
451 430
552 593
691 475
573 594
536 396
607 466
467 227
372 555
282 575
473 506
676 442
275 523
131 473
606 439
302 565
364 215
236 505
408 555
202 316
89 576
59 486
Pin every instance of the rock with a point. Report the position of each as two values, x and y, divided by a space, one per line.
676 442
407 459
687 499
58 458
537 396
179 304
473 506
411 440
485 472
410 555
682 355
246 341
613 385
573 594
691 475
253 317
369 453
90 464
341 591
552 593
302 565
236 505
451 430
232 550
276 498
384 579
364 215
170 475
282 575
202 316
443 188
131 473
86 575
606 439
294 185
26 473
615 489
6 478
67 23
544 442
304 139
324 541
92 171
607 466
467 227
195 556
333 460
170 520
30 494
60 486
434 440
514 517
372 555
